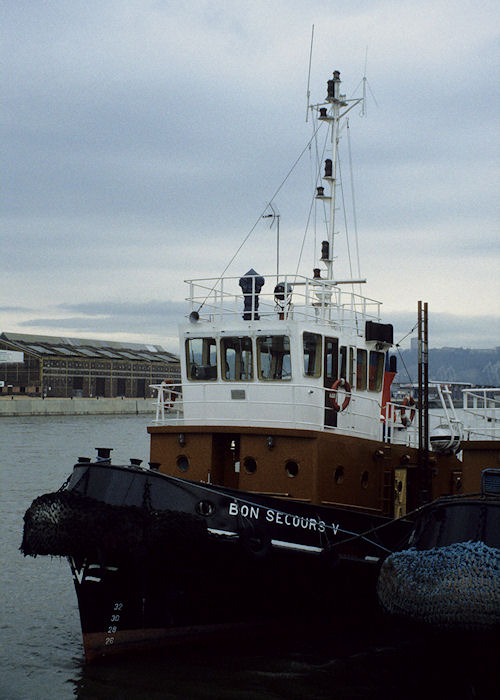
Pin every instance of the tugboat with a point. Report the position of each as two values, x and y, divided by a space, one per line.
279 479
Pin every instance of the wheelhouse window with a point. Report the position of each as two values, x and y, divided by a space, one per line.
312 354
273 357
361 359
376 371
201 359
237 359
331 359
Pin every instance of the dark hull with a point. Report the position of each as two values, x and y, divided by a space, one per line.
158 560
140 605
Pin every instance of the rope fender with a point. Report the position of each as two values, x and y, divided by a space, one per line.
456 587
67 524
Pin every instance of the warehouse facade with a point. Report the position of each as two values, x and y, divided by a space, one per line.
65 367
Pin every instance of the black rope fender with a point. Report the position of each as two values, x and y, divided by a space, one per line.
68 524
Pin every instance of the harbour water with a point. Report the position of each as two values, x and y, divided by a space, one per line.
40 647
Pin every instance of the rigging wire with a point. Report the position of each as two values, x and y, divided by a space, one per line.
345 218
409 333
313 171
406 368
261 215
347 236
353 199
318 175
399 353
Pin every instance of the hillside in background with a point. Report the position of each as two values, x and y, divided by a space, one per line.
479 367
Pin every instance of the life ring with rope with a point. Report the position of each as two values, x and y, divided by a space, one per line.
408 402
333 395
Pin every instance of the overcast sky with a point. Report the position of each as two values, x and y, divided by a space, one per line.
143 138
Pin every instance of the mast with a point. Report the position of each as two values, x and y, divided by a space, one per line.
333 115
334 98
424 477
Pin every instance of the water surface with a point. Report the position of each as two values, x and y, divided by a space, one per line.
41 649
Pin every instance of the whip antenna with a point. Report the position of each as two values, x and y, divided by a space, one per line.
309 74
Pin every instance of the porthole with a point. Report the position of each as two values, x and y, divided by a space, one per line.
292 468
339 475
250 465
183 463
205 508
364 479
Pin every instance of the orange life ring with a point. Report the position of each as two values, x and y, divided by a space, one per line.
410 402
333 396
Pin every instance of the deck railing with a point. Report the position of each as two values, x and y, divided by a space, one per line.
362 415
367 418
482 413
298 297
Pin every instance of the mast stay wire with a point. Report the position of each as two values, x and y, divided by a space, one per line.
261 215
399 352
353 200
315 182
313 174
346 227
406 368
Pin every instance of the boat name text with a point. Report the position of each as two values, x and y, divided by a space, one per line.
276 516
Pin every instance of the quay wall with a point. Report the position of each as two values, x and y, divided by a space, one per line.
26 406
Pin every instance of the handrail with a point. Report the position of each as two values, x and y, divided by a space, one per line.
373 422
302 297
172 412
478 395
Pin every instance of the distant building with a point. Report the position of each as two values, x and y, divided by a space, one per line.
78 367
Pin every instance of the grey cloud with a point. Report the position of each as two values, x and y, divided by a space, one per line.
147 133
18 309
152 309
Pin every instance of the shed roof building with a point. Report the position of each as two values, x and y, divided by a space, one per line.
61 366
